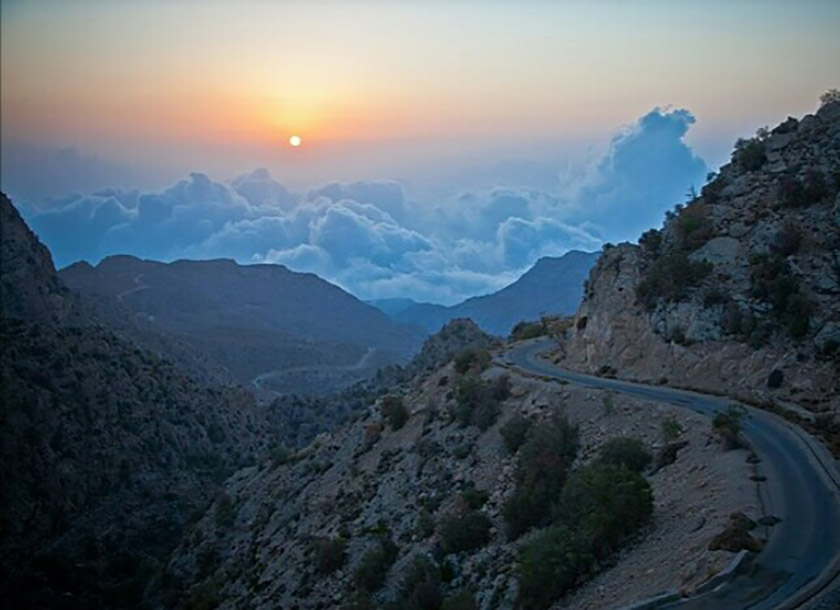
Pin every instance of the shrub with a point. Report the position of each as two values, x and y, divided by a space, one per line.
749 154
473 498
225 513
465 532
694 227
788 239
670 278
651 242
774 380
500 387
627 452
373 567
728 427
671 429
420 587
393 409
478 359
773 281
475 403
549 450
528 330
550 565
606 503
462 600
513 432
330 554
425 525
796 193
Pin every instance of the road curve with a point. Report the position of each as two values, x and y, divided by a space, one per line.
801 489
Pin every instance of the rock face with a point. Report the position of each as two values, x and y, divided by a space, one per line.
29 287
739 282
294 331
106 451
554 285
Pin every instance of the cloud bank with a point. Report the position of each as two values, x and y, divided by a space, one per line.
373 240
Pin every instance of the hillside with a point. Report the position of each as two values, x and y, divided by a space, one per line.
739 292
425 507
274 330
107 451
554 285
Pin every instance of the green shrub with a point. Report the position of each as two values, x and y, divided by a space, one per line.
465 532
671 429
528 330
549 450
749 154
728 427
474 498
500 387
373 567
475 403
462 600
630 453
651 242
670 277
329 554
393 409
796 193
608 504
425 525
513 432
477 359
420 587
550 565
694 226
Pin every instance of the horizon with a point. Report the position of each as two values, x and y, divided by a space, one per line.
442 149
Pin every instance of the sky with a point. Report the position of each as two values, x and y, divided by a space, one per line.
445 145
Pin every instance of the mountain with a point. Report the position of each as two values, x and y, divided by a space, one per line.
392 307
107 452
739 292
554 285
276 330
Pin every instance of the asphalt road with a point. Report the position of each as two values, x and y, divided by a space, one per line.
798 489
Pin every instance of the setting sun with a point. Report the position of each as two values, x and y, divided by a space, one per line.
295 141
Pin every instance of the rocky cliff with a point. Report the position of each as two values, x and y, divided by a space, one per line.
739 292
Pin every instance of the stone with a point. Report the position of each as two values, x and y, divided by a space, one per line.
778 141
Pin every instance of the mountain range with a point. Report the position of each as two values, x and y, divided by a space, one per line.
554 285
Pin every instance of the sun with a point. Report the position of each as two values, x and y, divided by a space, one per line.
295 141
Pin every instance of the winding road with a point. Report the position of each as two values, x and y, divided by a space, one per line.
363 362
800 557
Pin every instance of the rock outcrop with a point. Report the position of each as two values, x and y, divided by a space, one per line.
741 282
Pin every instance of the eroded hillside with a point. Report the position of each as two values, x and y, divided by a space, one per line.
739 292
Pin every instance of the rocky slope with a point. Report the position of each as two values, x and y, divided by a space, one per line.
365 502
106 451
554 285
295 330
740 290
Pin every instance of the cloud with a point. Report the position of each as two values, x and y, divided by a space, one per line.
372 239
647 169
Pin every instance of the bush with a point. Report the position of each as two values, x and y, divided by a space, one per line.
651 242
463 600
550 566
670 278
477 359
788 239
549 450
671 429
425 525
728 427
773 281
749 154
694 227
500 387
528 330
420 587
627 452
514 431
606 503
393 409
465 532
330 554
473 498
774 380
373 567
475 403
796 193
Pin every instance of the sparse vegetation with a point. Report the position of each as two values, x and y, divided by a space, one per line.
475 402
394 410
670 278
329 554
514 431
671 429
472 359
544 459
528 330
373 567
465 532
749 154
629 453
727 425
